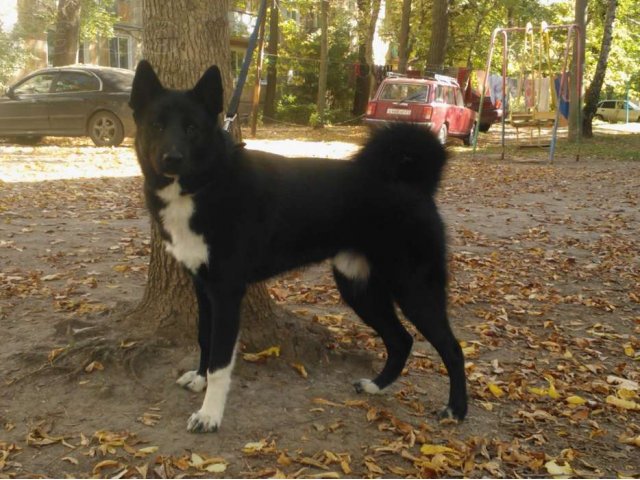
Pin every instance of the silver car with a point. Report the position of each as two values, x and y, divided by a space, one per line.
616 111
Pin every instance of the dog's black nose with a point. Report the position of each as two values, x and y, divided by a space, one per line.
172 159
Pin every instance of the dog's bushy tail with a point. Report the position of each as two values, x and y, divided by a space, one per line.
405 153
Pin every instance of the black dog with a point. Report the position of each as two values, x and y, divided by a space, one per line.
233 216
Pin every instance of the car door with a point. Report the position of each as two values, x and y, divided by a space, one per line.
455 117
441 112
23 111
607 110
622 115
467 115
71 102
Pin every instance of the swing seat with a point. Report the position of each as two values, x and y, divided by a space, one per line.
545 117
532 119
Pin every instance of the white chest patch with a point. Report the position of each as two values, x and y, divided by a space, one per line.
186 246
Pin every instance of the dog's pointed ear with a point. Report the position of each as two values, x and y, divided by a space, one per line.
209 92
146 86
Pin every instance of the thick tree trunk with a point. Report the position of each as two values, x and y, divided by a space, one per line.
182 38
403 39
368 11
592 94
439 32
269 112
67 35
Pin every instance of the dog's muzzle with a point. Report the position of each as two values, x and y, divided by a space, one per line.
171 163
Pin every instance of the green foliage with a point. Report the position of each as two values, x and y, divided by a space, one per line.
299 66
623 66
472 21
12 57
97 19
290 109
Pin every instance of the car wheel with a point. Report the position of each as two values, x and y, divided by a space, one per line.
442 134
599 117
484 127
468 140
105 129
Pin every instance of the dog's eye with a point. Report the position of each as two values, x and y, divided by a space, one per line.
157 126
192 130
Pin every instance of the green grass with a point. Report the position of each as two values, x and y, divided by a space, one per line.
607 144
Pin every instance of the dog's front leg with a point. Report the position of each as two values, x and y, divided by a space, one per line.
196 380
224 333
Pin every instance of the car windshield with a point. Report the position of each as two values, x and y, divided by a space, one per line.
405 92
632 106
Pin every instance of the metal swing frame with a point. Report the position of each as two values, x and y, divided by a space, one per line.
573 33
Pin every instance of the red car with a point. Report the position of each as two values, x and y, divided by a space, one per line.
435 102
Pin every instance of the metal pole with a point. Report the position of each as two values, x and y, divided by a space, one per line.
505 63
626 106
554 134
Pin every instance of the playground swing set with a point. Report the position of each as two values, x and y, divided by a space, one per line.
541 98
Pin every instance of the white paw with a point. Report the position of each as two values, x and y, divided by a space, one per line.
192 381
200 422
366 385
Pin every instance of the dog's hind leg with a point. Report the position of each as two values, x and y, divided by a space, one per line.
224 333
196 380
424 304
373 303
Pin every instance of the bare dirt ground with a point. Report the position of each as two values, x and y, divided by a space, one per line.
544 296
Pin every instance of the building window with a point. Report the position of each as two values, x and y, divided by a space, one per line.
119 52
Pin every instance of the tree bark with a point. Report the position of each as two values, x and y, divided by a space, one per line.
368 11
182 38
439 31
403 39
269 112
67 35
592 94
575 126
324 61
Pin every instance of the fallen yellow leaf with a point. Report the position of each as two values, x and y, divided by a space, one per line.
146 451
538 391
216 467
628 350
428 449
95 365
53 354
298 367
553 393
104 464
254 447
256 357
496 390
621 403
324 401
284 460
630 440
626 394
557 470
196 460
575 400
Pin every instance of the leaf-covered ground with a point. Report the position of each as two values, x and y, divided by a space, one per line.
544 295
